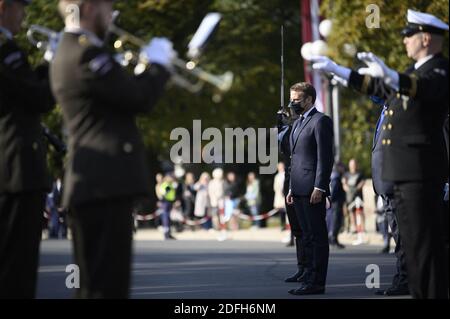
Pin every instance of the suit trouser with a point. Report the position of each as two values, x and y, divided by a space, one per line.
295 229
419 209
314 237
401 277
20 235
165 217
338 216
102 240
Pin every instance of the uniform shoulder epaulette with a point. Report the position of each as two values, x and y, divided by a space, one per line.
97 59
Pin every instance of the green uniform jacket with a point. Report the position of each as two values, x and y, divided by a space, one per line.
100 101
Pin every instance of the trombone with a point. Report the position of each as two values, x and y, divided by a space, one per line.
49 37
221 82
180 76
41 31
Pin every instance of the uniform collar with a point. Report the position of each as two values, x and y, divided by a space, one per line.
7 33
95 40
422 61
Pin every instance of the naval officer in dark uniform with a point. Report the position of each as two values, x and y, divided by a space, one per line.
385 189
24 96
106 167
414 156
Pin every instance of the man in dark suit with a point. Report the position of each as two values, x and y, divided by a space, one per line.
284 125
24 180
414 156
311 144
106 168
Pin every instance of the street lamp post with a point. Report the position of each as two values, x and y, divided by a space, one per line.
320 47
336 123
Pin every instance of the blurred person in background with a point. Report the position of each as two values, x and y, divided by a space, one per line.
216 197
168 199
202 200
158 179
188 195
278 198
57 222
232 200
353 183
337 204
253 198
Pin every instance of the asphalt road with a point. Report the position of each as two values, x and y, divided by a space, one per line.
188 269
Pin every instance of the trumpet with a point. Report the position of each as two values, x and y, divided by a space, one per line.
221 82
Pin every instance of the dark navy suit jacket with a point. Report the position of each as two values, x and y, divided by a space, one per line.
312 154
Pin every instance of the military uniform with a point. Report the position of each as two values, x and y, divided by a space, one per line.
24 95
414 158
106 167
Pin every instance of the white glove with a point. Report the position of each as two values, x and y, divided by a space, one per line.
325 64
159 50
52 46
376 68
340 80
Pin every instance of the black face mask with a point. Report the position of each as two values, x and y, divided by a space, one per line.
298 107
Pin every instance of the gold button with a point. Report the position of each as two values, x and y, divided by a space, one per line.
35 146
127 147
384 127
391 112
385 113
398 95
383 141
388 142
83 40
389 126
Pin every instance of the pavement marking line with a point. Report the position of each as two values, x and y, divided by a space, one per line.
166 292
176 286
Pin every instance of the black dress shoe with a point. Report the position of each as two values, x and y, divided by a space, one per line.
393 291
308 289
338 245
295 277
290 244
397 291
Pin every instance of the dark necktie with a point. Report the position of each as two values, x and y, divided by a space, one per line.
297 127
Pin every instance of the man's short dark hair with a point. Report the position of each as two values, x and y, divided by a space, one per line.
306 88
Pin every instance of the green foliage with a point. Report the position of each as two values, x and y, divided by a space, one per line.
247 43
358 114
